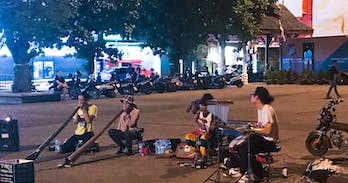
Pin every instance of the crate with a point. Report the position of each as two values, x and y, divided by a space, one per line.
17 171
9 138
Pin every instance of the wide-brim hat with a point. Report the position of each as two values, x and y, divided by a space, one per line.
128 99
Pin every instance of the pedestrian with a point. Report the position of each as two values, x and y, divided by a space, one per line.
84 126
126 129
333 78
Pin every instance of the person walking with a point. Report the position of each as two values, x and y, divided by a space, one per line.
333 79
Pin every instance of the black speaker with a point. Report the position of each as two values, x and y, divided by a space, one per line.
9 138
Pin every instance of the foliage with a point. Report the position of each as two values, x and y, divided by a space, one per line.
177 27
290 77
180 26
28 26
320 77
94 19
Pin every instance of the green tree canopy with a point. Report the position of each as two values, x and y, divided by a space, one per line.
176 26
181 26
30 25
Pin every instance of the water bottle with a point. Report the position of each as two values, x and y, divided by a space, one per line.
78 145
141 149
284 169
57 145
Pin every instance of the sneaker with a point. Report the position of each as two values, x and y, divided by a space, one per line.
121 151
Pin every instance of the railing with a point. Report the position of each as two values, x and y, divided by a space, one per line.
6 82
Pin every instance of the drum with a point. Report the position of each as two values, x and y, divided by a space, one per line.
235 143
228 132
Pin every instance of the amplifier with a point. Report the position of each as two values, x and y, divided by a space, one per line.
17 171
9 138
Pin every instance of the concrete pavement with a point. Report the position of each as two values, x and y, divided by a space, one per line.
163 116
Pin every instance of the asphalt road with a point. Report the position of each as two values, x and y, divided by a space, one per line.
163 116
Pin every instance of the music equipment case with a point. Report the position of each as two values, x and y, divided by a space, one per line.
17 171
9 138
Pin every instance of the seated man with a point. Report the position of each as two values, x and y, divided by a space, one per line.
203 120
60 84
264 136
126 128
83 118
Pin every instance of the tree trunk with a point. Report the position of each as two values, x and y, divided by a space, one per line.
22 80
22 70
222 43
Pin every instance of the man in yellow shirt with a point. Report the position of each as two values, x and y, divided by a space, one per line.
83 118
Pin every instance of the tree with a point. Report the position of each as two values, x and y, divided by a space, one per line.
180 26
28 26
94 19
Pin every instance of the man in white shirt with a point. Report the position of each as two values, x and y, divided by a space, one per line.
265 136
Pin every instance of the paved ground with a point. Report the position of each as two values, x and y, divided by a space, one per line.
163 116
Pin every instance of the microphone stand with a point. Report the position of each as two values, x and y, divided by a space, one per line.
251 175
218 171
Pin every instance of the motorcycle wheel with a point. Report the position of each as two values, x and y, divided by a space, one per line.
240 84
127 91
110 93
315 146
147 91
93 93
74 92
171 88
160 87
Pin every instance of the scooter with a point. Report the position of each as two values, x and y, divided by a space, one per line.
234 79
108 89
74 85
328 132
217 82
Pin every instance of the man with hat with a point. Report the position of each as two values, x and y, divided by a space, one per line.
126 129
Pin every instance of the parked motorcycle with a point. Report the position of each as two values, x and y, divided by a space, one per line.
108 89
328 132
74 85
159 85
127 87
144 85
217 82
90 87
234 79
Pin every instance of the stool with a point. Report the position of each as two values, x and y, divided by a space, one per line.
139 138
266 158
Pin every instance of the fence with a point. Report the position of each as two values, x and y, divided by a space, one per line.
6 82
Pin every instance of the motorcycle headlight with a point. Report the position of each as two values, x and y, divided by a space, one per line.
97 87
118 85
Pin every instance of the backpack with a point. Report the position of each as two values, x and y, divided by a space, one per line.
319 170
